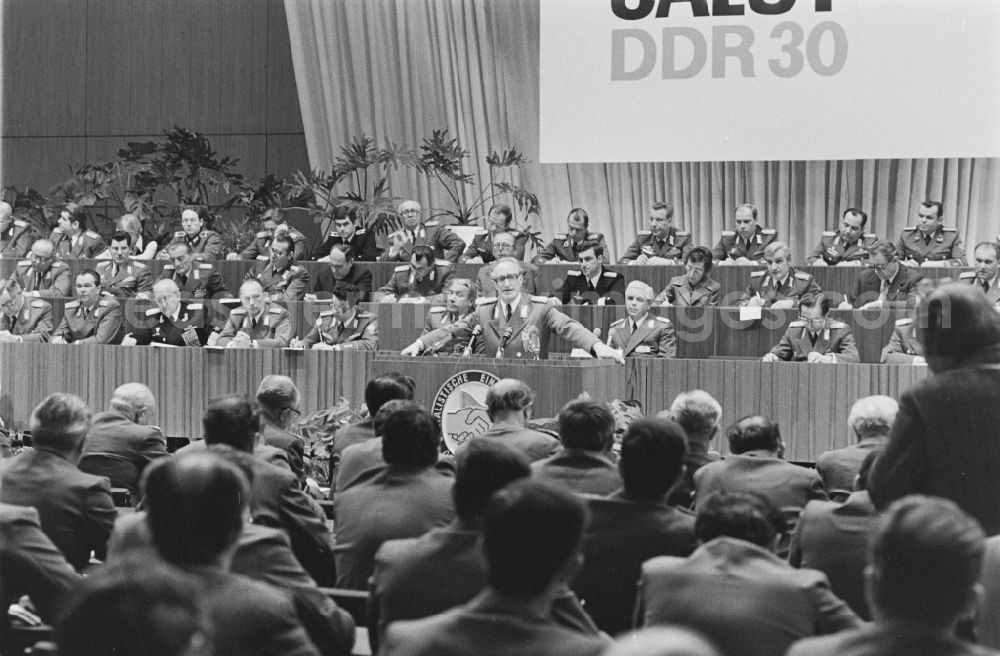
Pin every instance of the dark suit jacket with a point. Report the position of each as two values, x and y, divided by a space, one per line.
838 468
749 601
623 534
582 471
610 289
889 640
165 330
900 294
363 244
325 282
120 449
360 462
75 508
785 485
536 445
290 444
903 346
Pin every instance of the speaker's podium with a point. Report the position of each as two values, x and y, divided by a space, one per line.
454 388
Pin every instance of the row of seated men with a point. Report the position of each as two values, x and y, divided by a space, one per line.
521 542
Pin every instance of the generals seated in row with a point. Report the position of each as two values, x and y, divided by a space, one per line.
423 278
814 337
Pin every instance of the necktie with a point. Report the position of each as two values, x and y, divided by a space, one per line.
590 285
632 327
883 291
986 287
114 270
38 281
413 237
927 240
812 338
181 280
11 320
508 311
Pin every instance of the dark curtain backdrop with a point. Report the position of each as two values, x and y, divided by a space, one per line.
398 69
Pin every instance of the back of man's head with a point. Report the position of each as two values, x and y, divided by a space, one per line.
386 387
872 416
232 420
954 323
697 412
754 433
652 457
508 396
531 531
131 399
195 503
586 424
738 515
484 466
60 423
925 561
275 394
410 436
389 407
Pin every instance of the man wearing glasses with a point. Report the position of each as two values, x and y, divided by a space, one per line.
343 327
510 324
694 288
504 245
662 243
281 278
815 337
41 274
483 246
445 243
23 321
280 403
886 283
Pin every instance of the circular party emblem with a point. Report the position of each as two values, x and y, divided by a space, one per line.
460 406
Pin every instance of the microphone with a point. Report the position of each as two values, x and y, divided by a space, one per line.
503 341
472 339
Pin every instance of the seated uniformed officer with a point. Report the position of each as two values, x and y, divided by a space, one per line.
193 277
343 327
592 284
503 321
504 245
23 320
424 278
346 233
566 247
641 334
15 234
174 322
746 244
987 256
498 221
780 286
275 224
929 243
459 302
903 346
342 271
884 283
94 318
662 243
140 249
281 277
815 337
258 324
121 276
847 246
71 238
195 233
444 243
42 274
695 288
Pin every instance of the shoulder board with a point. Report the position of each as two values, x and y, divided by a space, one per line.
559 236
594 236
168 267
362 315
402 268
682 233
644 233
610 274
196 306
207 265
574 272
437 309
104 303
432 224
838 324
728 233
295 268
481 232
328 313
262 235
801 275
239 310
950 229
106 264
768 231
540 299
967 275
442 263
152 312
359 231
485 300
757 274
179 234
57 231
904 322
72 304
138 265
796 324
829 233
59 264
276 310
24 263
910 229
871 235
94 235
662 319
21 224
38 304
620 322
295 233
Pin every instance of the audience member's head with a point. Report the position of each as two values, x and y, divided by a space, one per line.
386 387
739 515
484 466
926 555
60 424
755 433
662 641
234 420
508 399
954 323
135 606
586 424
389 407
872 416
698 413
652 458
531 538
195 505
411 436
278 398
135 401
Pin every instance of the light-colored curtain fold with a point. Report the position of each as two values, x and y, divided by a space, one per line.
399 69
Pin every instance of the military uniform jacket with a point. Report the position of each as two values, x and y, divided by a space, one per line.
992 295
102 324
33 322
446 244
534 311
901 292
273 329
359 333
796 285
482 247
945 247
206 243
609 290
563 248
88 245
15 241
404 283
167 330
903 346
201 281
260 247
132 278
835 337
833 250
653 337
363 245
731 246
675 247
288 284
439 317
54 281
486 287
356 277
680 293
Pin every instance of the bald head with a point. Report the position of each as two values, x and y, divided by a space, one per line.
509 400
135 401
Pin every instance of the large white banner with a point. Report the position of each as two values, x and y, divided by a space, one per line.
697 80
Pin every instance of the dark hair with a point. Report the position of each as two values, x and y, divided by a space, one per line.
586 424
195 503
753 432
347 293
411 436
662 205
700 254
121 235
926 555
386 387
289 243
652 457
202 212
741 515
234 420
885 248
423 253
954 323
485 465
856 211
77 214
989 244
504 210
345 249
579 213
810 301
936 205
275 214
530 531
92 273
389 407
596 247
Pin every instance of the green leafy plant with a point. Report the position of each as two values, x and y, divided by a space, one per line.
317 430
31 206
